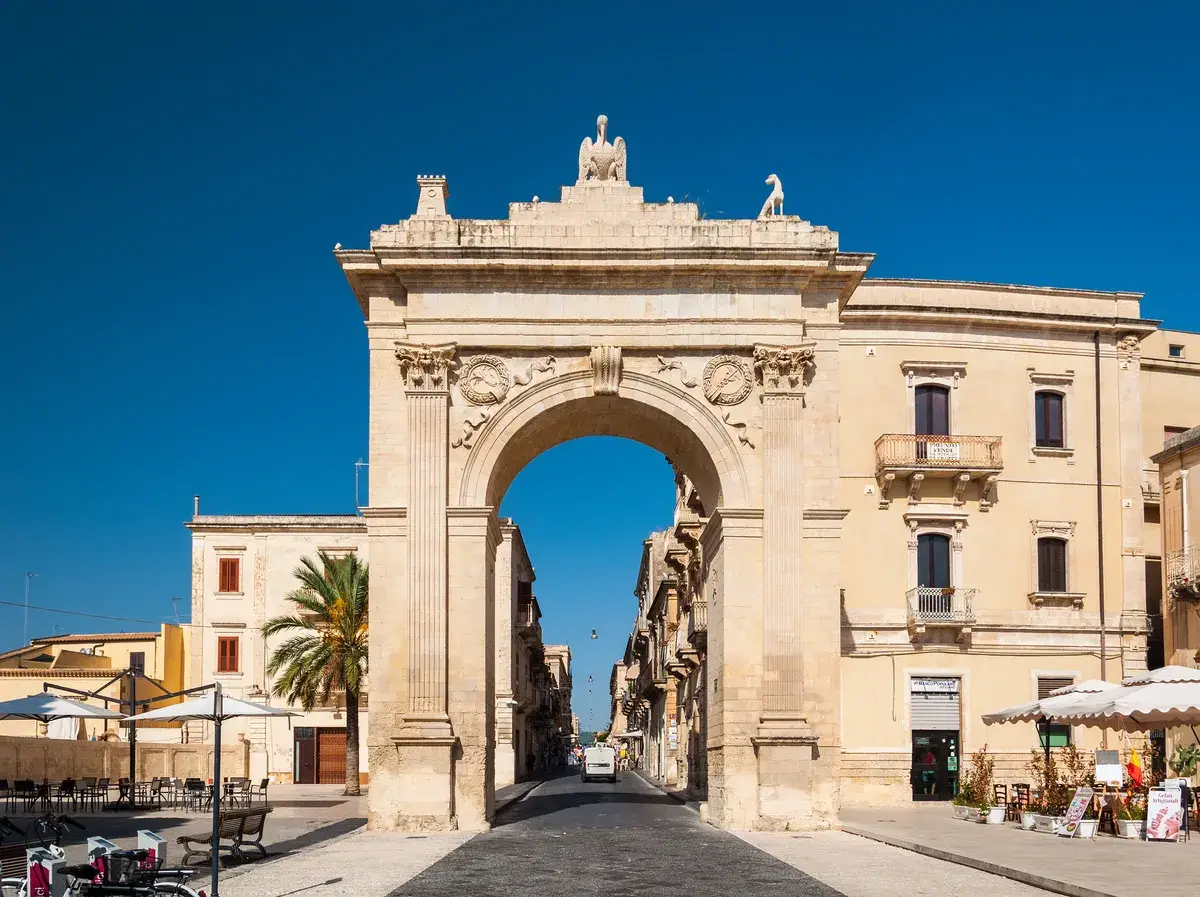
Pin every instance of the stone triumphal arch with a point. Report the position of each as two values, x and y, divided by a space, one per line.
713 341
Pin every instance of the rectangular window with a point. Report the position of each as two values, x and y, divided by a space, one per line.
230 575
227 654
137 661
1052 565
1048 418
1175 351
1060 736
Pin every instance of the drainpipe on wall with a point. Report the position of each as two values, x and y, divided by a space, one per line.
1185 538
1100 527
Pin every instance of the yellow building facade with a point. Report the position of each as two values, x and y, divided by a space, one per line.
1004 528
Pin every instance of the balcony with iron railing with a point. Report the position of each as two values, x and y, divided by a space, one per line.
941 608
960 458
526 622
1183 572
697 631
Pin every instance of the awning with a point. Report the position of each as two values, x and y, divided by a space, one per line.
636 733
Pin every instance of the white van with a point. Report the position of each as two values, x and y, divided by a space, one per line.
599 762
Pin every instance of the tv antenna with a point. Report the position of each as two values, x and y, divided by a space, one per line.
175 607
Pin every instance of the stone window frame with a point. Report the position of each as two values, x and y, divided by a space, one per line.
941 522
234 632
1064 385
932 373
1076 676
1053 529
234 552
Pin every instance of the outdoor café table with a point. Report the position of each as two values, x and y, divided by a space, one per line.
236 792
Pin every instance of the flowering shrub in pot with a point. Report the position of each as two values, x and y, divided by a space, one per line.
1131 817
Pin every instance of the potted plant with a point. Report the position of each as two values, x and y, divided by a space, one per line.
1089 823
1051 802
1029 815
1183 761
990 815
963 803
1131 818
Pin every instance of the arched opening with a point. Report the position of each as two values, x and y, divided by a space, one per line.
582 513
648 411
651 608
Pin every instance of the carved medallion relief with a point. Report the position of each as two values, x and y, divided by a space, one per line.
484 380
487 381
727 380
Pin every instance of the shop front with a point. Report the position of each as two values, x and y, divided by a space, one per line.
936 718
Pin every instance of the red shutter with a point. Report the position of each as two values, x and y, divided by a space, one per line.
229 578
227 654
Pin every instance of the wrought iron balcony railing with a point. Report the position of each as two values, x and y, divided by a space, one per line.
941 607
1183 572
906 451
697 631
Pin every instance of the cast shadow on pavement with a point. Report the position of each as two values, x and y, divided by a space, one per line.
534 804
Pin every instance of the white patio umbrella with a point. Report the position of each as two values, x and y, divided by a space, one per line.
1051 708
1161 699
45 707
216 708
1060 700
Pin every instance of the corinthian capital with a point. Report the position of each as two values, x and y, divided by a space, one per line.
425 367
783 367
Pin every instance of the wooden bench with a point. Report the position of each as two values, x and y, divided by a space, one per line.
241 827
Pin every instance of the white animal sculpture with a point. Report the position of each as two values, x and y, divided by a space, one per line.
602 161
774 203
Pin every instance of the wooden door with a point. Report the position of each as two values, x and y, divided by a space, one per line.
331 756
306 755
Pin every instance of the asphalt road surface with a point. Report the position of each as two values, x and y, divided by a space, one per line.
571 838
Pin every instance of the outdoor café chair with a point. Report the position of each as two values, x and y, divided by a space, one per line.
260 791
1019 802
86 791
1000 797
237 791
26 790
195 793
66 791
6 793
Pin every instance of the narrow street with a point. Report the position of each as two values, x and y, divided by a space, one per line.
630 839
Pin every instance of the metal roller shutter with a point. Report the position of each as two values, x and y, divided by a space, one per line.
935 705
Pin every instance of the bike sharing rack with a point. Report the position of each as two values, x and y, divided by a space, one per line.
43 871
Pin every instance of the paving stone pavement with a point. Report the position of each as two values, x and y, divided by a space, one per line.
363 864
862 868
630 839
1101 866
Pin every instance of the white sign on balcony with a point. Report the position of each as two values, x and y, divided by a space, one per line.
941 451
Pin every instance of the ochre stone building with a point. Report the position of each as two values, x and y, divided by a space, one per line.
916 501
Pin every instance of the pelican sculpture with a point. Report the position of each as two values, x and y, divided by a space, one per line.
602 161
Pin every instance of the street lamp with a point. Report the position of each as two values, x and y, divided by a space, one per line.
594 636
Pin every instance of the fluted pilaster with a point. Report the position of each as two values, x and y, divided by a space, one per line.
783 533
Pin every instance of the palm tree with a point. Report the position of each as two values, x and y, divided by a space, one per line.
327 650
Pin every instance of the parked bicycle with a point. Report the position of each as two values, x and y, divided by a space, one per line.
127 873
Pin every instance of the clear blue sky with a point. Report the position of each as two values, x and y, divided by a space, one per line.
174 180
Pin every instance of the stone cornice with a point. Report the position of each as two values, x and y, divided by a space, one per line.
224 523
1009 318
1171 365
1006 287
